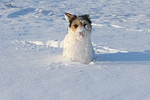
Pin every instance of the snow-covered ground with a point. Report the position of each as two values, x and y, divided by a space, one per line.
31 62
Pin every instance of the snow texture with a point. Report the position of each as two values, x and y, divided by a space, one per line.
31 62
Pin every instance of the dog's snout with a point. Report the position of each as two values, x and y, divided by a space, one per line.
81 34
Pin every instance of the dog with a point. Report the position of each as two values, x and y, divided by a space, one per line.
77 43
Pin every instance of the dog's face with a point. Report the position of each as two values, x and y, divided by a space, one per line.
80 26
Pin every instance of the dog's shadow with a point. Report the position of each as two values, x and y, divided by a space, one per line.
130 56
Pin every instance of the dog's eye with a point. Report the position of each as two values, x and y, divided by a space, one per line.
85 25
75 25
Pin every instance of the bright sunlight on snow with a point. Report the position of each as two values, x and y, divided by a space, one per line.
31 40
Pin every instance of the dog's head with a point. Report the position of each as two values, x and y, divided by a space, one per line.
80 26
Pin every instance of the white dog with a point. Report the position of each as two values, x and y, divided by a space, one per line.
77 43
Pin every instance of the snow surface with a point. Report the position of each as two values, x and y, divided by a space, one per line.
31 62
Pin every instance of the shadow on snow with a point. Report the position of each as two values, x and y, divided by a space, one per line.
130 56
21 12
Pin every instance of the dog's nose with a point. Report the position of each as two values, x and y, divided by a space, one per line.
81 34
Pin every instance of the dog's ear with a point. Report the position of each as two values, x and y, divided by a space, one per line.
87 15
69 17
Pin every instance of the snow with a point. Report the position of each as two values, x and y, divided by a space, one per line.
31 62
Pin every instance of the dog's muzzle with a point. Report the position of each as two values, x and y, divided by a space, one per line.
81 34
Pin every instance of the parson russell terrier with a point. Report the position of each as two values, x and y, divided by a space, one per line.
77 43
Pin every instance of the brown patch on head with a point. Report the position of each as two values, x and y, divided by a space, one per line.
78 23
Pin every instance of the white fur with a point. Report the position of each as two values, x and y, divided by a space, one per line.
67 19
77 47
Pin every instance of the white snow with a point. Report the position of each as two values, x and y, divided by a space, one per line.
31 62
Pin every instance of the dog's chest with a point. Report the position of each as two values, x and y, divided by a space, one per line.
78 50
76 45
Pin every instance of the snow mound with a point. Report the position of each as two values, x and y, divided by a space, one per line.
102 49
54 43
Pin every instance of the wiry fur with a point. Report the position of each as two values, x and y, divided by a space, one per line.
77 43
